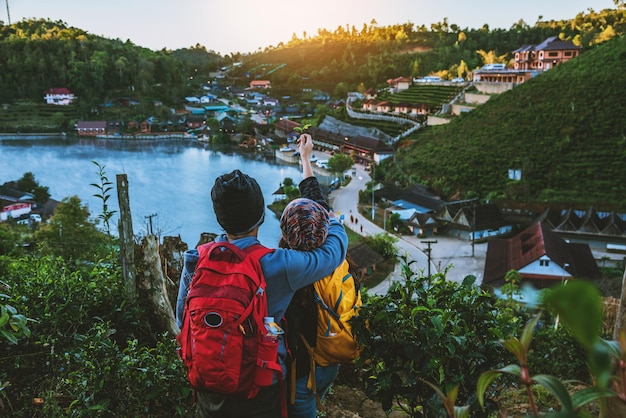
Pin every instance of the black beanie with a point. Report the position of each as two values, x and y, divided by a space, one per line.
238 202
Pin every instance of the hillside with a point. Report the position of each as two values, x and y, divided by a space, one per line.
564 129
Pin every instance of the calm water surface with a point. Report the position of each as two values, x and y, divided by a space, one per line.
169 178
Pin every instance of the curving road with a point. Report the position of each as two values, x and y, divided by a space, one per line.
344 201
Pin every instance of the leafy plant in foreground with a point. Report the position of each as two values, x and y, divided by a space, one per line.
104 189
579 308
433 331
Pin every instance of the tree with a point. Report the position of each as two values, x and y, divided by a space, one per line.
415 68
339 163
491 57
70 234
10 240
28 183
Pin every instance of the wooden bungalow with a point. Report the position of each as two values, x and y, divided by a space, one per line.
91 128
362 260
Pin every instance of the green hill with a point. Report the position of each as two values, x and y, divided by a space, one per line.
565 129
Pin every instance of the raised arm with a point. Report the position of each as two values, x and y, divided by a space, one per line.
305 147
309 186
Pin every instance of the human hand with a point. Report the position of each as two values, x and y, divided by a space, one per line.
305 146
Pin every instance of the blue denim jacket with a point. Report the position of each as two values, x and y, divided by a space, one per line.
285 272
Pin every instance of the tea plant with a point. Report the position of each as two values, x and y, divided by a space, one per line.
302 129
104 189
578 305
429 331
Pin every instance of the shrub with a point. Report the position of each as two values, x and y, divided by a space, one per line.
435 331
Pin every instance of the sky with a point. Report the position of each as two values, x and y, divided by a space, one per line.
243 26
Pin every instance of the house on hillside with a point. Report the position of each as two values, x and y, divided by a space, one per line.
14 203
260 84
423 224
59 96
362 260
91 128
548 54
502 75
399 84
371 105
529 60
365 149
368 105
540 256
419 109
133 126
415 205
195 121
383 107
227 123
416 197
371 94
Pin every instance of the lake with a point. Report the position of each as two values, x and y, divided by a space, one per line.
169 178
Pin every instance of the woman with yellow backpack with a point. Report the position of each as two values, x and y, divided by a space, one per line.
317 320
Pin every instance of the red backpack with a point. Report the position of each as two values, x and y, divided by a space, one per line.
221 340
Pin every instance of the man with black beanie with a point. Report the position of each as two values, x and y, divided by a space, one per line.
239 207
238 203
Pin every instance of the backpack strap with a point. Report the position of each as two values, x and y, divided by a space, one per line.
311 384
257 251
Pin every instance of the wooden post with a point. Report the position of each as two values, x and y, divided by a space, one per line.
620 317
127 239
152 283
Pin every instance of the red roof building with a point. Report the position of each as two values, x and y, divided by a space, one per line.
59 96
540 256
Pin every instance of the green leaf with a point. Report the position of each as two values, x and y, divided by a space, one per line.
515 347
601 364
556 387
579 307
489 376
468 280
462 411
4 316
527 334
8 336
590 394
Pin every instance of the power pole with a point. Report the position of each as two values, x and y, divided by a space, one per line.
427 251
473 227
149 217
8 13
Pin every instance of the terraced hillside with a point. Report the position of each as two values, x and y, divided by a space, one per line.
564 129
35 117
430 94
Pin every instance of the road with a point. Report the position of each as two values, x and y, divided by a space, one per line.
454 254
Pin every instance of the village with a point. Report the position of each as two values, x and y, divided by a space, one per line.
553 245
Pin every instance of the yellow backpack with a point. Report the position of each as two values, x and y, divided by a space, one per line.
338 300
